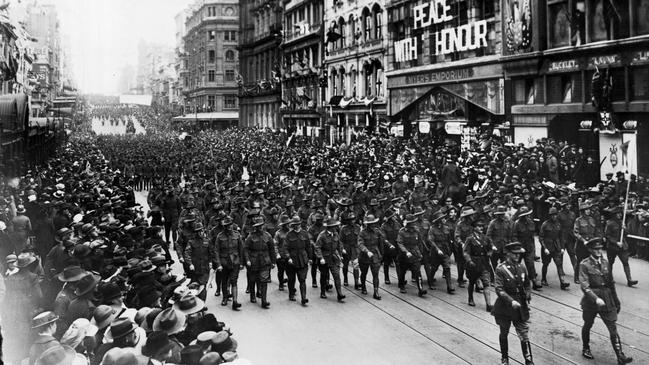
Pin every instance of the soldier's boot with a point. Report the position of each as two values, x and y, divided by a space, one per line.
585 347
235 304
449 283
460 275
420 288
264 291
487 300
357 285
470 290
527 352
617 347
376 293
363 288
303 293
504 350
345 281
629 280
252 291
575 268
314 273
544 274
339 291
564 285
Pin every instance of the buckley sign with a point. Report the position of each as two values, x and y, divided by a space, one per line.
465 37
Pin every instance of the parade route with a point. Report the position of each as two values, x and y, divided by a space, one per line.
436 329
114 129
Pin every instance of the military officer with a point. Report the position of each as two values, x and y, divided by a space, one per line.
371 241
552 248
327 252
615 247
600 297
227 255
410 257
259 254
512 285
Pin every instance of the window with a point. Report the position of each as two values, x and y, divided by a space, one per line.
211 11
378 23
570 86
352 29
229 75
230 35
211 102
639 83
211 75
368 80
367 25
229 55
343 32
211 56
211 35
641 17
528 91
229 101
378 83
342 82
608 19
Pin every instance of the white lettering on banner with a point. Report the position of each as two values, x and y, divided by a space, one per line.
405 50
463 38
434 12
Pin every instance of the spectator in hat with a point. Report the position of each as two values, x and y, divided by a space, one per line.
44 326
60 255
81 337
10 267
21 228
121 334
61 355
102 317
158 347
70 276
83 306
23 296
171 322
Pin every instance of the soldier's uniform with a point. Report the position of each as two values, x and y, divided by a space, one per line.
314 231
597 283
463 230
524 230
550 239
371 240
349 239
198 255
327 250
500 233
297 249
227 255
612 234
512 283
259 253
279 240
442 241
477 250
409 242
390 228
584 229
567 219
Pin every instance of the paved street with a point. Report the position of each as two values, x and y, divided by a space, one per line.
114 129
436 329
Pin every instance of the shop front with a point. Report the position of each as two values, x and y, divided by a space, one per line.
596 99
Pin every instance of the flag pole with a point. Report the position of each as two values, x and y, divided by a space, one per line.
626 198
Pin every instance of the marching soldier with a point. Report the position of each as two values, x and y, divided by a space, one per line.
314 231
228 253
584 229
566 218
524 230
552 248
512 286
327 252
500 233
349 239
198 257
600 297
297 251
443 245
371 242
615 247
279 241
477 250
410 247
259 253
463 230
390 227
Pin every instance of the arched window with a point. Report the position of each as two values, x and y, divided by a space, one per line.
378 78
367 24
342 30
378 21
353 81
352 29
343 90
334 84
367 70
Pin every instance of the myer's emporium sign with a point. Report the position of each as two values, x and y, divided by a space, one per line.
465 37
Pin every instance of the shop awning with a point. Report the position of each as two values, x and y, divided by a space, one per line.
214 116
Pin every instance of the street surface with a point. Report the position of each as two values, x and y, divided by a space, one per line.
437 329
114 129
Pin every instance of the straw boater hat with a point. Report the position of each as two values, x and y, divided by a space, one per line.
43 319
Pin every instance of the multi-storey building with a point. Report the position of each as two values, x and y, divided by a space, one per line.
578 71
260 28
302 72
444 71
355 59
151 57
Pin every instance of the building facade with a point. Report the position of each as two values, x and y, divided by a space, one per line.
210 60
444 72
357 42
260 29
303 82
582 78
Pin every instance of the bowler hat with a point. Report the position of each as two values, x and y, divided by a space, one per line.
71 274
21 209
110 291
44 319
515 247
